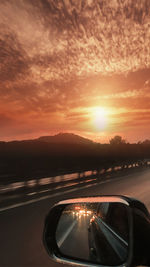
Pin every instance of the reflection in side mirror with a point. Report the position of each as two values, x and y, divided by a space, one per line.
106 242
93 231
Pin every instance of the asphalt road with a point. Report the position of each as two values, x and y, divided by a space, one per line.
21 228
75 243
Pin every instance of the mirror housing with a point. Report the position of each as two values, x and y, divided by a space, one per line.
138 233
63 209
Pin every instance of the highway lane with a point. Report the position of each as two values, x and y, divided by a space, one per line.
21 228
75 243
74 239
106 242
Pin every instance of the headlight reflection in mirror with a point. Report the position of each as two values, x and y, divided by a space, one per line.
95 232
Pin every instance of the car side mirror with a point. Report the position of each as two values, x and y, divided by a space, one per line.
92 231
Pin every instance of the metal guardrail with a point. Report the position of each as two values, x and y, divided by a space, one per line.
31 185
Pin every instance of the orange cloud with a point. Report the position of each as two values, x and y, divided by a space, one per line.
58 60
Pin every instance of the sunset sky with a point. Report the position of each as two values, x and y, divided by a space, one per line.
79 66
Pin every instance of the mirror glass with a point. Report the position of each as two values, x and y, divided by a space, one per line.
95 232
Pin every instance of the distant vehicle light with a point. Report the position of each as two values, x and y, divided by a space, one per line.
77 208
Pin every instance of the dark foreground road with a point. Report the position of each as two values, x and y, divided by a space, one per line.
21 228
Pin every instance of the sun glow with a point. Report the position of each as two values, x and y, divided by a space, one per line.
100 118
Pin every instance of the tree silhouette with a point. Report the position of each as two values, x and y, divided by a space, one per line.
117 140
146 142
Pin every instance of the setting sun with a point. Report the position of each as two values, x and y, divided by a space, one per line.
60 74
100 117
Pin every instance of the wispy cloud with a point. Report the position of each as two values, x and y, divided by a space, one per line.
59 55
65 39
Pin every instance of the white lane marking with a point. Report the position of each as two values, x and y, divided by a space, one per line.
54 195
112 231
110 235
42 198
61 241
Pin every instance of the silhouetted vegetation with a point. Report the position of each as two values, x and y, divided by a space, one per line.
43 156
117 140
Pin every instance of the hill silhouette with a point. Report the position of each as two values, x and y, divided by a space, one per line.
45 155
65 138
62 153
